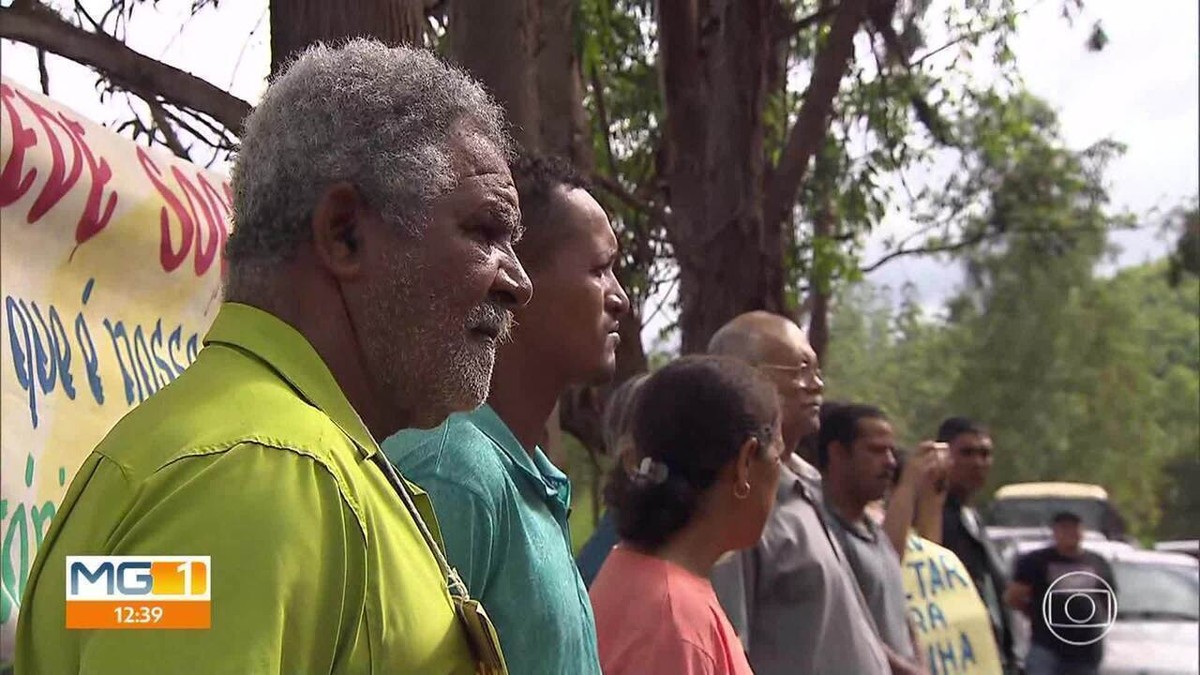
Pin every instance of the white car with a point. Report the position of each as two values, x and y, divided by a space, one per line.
1157 627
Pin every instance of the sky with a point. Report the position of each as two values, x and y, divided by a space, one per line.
1142 90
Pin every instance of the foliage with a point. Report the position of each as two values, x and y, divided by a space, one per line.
904 104
1184 221
618 59
1079 377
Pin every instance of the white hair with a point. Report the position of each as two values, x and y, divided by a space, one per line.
375 116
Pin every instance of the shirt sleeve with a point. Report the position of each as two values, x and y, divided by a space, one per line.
733 581
468 523
694 661
287 565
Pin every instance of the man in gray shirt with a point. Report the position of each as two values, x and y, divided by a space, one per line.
791 598
856 452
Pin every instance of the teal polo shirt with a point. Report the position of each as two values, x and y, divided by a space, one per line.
503 517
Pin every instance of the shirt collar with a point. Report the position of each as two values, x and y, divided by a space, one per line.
864 528
536 467
269 339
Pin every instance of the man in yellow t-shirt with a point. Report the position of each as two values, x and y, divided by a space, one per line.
370 277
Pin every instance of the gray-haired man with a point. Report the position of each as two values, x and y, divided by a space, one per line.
371 275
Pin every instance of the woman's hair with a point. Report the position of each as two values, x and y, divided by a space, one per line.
618 413
690 420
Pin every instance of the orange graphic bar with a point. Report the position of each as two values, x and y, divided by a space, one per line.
139 614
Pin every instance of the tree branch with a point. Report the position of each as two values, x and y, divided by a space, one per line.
43 73
42 28
925 250
881 19
790 29
812 123
970 35
602 117
617 190
164 125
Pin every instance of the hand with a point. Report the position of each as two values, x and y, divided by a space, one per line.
926 470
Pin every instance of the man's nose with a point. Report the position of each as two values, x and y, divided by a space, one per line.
815 384
616 300
511 288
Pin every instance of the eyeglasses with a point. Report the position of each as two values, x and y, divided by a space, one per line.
805 373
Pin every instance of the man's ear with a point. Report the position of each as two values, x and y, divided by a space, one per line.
338 221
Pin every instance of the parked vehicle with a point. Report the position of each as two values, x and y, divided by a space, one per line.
1187 546
1022 511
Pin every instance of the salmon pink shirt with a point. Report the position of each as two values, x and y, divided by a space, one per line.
654 617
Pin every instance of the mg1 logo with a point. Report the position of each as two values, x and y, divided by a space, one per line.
128 592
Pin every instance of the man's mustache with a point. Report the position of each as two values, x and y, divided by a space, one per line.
493 319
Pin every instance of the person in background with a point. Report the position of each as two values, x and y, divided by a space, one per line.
1068 594
706 447
962 528
501 503
856 453
360 299
792 598
615 427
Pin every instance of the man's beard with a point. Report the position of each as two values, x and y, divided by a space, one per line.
425 359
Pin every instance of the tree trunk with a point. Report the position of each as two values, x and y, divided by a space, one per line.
726 223
715 84
295 24
497 42
564 127
818 321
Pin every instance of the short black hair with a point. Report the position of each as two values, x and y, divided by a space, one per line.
839 422
692 416
953 427
1066 517
537 178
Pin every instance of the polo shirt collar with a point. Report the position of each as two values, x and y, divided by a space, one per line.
265 337
863 528
547 479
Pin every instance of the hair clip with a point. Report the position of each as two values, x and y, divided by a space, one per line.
650 472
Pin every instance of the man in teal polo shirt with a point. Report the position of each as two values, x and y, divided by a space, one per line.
371 275
502 504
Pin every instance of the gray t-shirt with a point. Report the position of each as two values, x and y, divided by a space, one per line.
877 568
792 598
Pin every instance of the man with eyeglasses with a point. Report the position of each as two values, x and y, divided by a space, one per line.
792 598
962 528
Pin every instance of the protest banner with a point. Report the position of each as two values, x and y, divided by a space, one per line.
110 263
950 618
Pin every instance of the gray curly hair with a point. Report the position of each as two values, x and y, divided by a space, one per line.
375 116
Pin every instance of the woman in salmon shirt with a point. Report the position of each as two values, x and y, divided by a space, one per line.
705 464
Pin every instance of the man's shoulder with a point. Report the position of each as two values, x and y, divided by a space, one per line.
1099 561
216 405
1036 558
456 454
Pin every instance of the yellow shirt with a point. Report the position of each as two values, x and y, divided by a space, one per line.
255 458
